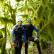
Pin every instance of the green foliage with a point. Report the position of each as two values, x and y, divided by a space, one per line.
42 10
18 0
44 44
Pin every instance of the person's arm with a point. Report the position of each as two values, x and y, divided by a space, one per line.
13 36
25 37
35 29
38 34
13 33
13 39
24 30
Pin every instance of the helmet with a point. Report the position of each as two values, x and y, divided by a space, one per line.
29 20
19 19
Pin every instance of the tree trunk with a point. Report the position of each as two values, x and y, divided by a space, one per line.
4 44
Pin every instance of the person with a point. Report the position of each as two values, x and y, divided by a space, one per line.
29 30
17 33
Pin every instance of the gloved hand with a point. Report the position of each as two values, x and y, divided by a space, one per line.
13 45
25 43
31 38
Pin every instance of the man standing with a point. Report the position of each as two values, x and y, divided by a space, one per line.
29 30
17 33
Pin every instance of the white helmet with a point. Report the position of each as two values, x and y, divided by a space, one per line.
19 19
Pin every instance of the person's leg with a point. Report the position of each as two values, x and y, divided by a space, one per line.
20 46
38 46
26 48
16 50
